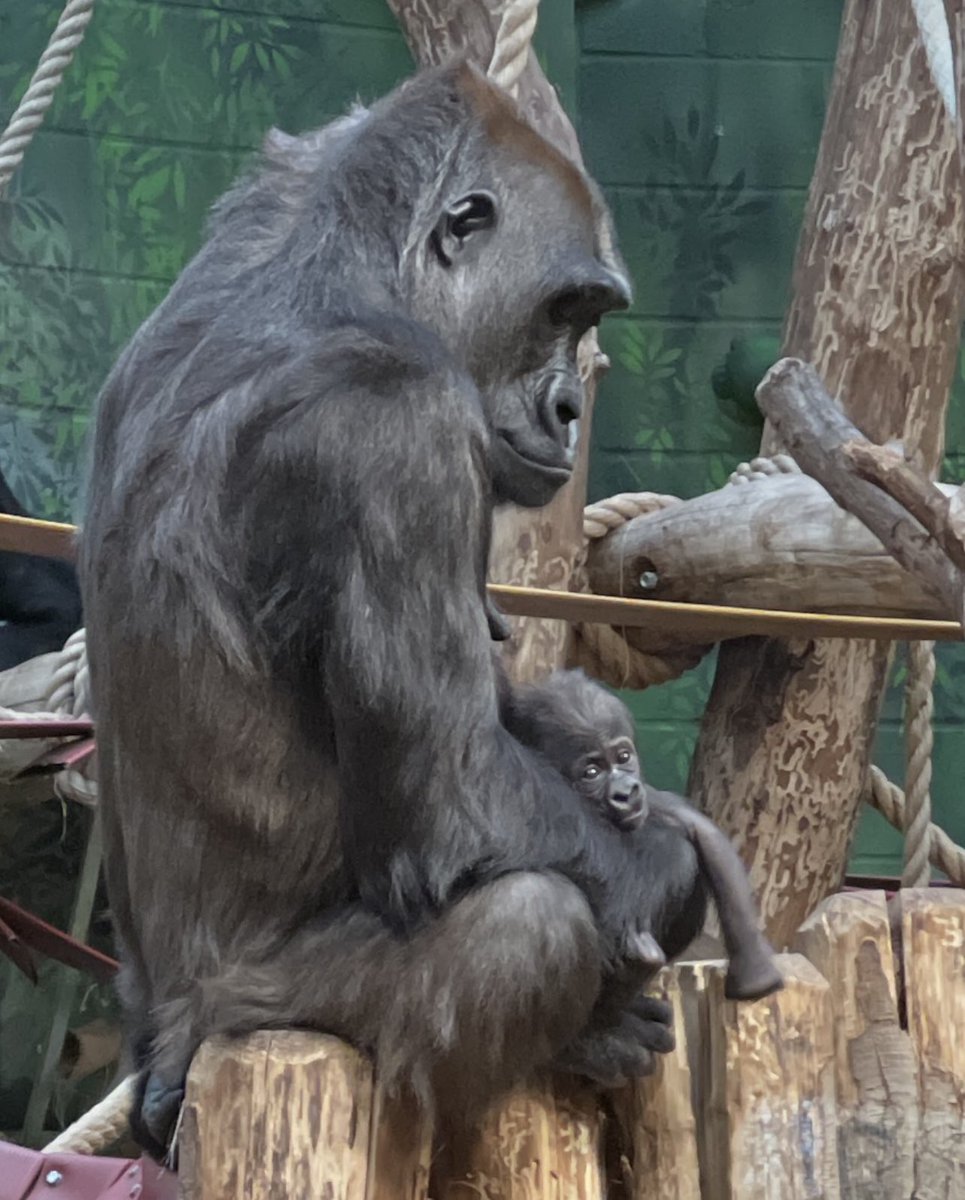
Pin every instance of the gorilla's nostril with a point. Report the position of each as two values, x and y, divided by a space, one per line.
567 411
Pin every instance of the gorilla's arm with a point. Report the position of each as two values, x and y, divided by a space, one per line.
436 796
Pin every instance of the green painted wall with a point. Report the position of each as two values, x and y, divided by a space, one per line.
701 118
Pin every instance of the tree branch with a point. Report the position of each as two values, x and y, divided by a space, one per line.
902 509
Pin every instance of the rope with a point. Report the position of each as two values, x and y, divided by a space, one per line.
603 650
66 693
919 739
101 1126
888 799
30 112
70 684
513 37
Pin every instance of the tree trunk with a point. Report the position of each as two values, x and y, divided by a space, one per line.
537 548
877 308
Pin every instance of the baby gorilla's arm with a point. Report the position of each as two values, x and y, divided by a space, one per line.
751 972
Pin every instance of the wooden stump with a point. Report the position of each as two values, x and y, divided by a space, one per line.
540 1143
285 1115
848 940
932 922
657 1116
765 1108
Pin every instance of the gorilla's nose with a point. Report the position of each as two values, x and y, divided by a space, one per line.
562 407
629 802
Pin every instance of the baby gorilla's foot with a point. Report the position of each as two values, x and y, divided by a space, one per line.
752 973
154 1116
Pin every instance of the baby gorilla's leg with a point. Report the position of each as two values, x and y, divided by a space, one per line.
751 972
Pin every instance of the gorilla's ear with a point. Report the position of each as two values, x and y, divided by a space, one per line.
461 223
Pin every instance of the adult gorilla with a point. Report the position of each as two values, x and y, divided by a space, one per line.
313 814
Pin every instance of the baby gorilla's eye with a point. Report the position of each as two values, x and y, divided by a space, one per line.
623 756
591 771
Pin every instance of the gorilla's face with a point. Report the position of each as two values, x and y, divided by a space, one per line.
518 270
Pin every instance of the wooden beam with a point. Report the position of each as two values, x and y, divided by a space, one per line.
699 623
27 535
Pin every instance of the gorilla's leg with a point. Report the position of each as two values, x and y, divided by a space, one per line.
751 970
474 1002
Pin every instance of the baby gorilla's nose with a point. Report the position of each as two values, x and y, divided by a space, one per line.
628 802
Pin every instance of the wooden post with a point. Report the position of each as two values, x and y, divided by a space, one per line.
657 1119
540 1143
848 939
932 923
765 1105
879 297
285 1115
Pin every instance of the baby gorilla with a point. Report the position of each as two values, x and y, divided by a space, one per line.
587 734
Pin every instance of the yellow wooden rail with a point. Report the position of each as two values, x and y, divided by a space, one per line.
691 622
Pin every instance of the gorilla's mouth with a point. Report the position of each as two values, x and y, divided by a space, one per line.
556 469
632 820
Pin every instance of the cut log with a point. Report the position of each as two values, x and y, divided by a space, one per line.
767 1109
848 939
932 923
657 1118
778 543
280 1115
276 1116
878 302
540 1143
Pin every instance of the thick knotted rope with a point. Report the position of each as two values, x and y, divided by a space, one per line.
30 112
517 25
888 799
99 1127
919 739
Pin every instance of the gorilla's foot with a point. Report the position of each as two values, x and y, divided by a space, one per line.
154 1116
752 974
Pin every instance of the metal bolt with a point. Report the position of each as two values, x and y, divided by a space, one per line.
649 580
53 1178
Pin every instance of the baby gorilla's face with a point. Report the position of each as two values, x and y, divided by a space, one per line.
608 774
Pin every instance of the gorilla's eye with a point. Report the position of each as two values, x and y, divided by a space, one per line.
623 756
472 213
453 231
591 771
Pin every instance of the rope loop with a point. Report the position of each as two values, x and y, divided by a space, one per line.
30 112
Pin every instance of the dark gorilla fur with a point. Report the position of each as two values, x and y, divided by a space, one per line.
313 813
588 736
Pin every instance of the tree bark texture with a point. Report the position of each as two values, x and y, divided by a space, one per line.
537 548
877 309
